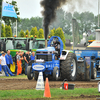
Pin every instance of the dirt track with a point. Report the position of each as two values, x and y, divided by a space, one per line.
16 84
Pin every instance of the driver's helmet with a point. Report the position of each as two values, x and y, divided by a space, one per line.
54 40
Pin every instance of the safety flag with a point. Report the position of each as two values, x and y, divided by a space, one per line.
8 10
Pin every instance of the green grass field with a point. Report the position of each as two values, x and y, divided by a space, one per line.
14 77
55 93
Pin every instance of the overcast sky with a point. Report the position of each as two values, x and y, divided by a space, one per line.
32 8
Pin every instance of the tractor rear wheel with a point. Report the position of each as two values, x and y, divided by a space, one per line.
69 67
30 73
36 75
55 73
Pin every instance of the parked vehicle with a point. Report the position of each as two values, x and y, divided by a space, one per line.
89 60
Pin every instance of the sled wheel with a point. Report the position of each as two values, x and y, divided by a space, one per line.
93 71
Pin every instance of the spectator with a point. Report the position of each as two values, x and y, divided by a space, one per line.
19 51
16 57
26 58
10 61
22 59
19 67
16 62
32 58
23 53
21 56
3 63
23 62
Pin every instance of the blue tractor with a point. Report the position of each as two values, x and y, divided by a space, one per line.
88 64
55 63
89 60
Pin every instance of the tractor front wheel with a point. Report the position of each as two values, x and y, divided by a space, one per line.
30 73
55 73
36 73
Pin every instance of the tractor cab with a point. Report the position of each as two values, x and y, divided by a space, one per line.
57 43
38 44
53 49
17 43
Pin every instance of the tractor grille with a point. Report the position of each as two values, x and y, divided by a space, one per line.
45 57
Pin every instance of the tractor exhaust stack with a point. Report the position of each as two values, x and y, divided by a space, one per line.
98 34
45 43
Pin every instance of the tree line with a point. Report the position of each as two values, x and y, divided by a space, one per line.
6 31
87 22
34 32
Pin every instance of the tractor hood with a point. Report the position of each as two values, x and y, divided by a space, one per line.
13 51
95 45
46 49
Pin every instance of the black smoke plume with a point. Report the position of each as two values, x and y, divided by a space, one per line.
49 13
50 7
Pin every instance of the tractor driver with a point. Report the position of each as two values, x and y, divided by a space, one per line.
56 44
18 45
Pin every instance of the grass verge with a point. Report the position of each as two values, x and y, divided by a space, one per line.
14 77
55 93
